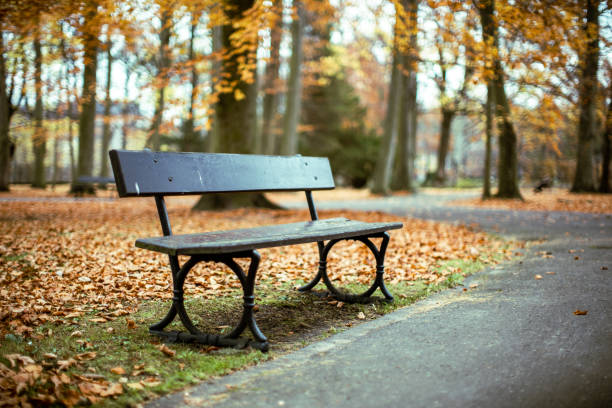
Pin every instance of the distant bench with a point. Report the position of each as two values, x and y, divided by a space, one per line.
159 174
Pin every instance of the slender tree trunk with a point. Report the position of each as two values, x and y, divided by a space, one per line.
106 129
88 107
604 184
5 141
584 176
508 151
213 138
448 114
39 140
294 85
404 166
384 165
73 167
190 142
233 112
489 113
164 56
125 111
55 177
270 99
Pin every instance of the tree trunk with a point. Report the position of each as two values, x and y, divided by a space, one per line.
604 185
489 113
125 111
106 129
294 84
154 140
584 180
233 112
448 114
5 141
190 142
73 167
407 111
508 151
88 107
384 165
270 99
39 140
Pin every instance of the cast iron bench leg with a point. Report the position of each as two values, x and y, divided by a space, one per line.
196 336
379 255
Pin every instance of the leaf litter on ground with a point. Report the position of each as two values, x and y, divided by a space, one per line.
61 261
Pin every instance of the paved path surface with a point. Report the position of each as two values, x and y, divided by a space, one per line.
513 341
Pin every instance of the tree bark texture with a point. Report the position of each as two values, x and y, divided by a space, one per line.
584 180
445 137
507 172
106 128
489 115
164 66
294 84
604 184
234 115
270 100
88 107
190 142
384 165
39 141
5 141
407 111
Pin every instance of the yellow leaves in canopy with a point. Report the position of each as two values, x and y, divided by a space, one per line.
239 95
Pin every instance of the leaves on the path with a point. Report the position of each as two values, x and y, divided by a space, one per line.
578 312
537 277
552 200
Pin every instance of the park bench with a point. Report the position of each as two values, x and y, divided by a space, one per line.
159 174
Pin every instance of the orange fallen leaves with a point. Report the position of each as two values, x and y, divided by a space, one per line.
549 200
166 350
578 312
63 260
50 247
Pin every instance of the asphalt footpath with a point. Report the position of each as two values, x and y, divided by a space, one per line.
512 341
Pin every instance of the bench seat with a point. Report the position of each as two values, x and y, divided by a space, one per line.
217 242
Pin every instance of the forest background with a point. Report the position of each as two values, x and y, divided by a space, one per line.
397 93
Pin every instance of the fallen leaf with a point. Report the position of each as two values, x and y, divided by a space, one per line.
604 268
130 323
550 273
580 312
112 389
361 316
50 356
117 370
473 285
340 304
537 277
576 258
90 355
166 350
135 386
76 333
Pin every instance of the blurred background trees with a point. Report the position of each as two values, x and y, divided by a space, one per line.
397 93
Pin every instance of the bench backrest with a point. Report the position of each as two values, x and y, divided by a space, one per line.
147 173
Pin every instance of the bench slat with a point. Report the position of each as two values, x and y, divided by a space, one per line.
147 173
263 237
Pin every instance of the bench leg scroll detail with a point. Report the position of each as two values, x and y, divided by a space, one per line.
247 320
379 255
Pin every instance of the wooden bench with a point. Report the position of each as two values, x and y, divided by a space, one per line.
159 174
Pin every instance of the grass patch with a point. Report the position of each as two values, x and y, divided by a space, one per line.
126 354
